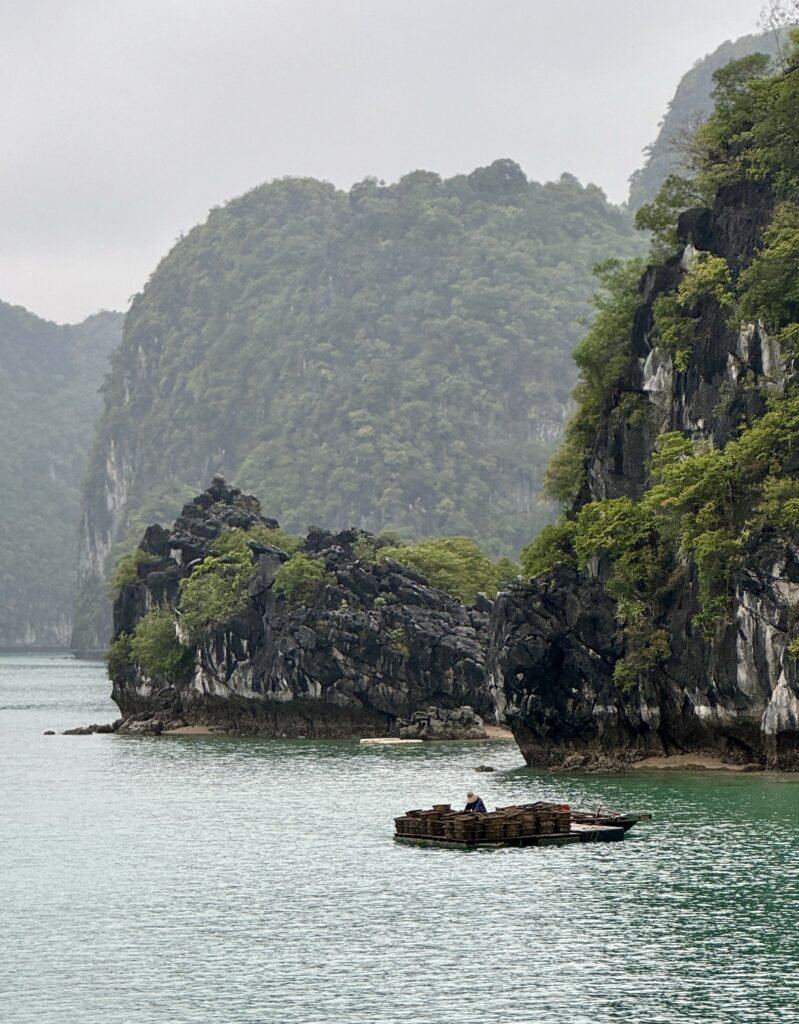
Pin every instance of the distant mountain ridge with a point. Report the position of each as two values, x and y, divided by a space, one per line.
50 377
691 101
393 356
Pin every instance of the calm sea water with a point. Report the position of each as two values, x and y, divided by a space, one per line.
216 880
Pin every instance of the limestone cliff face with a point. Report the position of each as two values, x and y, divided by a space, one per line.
555 640
49 380
375 646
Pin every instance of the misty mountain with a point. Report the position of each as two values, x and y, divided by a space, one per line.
49 381
392 357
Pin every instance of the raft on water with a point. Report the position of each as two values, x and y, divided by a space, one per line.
537 824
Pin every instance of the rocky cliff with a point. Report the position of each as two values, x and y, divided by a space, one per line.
665 620
50 376
372 646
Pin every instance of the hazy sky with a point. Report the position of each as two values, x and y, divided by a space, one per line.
124 122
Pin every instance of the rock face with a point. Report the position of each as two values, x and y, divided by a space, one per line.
442 724
375 646
555 640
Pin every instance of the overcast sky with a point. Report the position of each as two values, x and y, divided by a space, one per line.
124 121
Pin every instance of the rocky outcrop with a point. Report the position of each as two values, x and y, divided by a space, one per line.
376 645
555 641
443 724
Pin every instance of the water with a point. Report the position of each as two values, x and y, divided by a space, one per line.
223 881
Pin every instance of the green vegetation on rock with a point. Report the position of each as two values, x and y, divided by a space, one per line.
456 565
603 357
216 590
299 580
672 152
155 648
703 501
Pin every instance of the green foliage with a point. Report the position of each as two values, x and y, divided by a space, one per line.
365 548
779 504
702 502
677 314
127 569
753 132
554 544
398 640
659 216
49 379
118 656
155 648
673 152
770 285
216 590
603 358
301 579
456 565
638 665
237 542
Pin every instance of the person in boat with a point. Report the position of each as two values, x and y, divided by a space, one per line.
474 804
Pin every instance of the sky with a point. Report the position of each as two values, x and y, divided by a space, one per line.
124 122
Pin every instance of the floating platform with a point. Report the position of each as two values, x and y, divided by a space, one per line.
388 741
539 824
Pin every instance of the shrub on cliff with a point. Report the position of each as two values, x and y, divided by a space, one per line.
553 545
127 569
456 565
216 590
155 648
300 579
603 357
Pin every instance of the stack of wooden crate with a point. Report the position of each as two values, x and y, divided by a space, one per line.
505 823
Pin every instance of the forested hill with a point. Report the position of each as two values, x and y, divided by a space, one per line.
49 381
393 356
691 104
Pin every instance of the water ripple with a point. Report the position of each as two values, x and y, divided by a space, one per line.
222 881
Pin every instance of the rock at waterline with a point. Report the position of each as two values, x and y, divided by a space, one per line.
461 723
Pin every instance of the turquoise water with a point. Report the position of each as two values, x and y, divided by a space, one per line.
216 880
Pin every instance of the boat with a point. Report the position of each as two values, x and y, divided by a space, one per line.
536 824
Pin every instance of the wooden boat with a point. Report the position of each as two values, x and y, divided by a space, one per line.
537 824
604 816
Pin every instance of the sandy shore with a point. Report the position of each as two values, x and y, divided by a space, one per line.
496 732
686 762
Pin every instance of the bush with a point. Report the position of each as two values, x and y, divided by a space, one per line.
234 540
555 543
300 579
365 548
118 656
398 641
217 589
155 648
127 569
455 565
603 357
770 285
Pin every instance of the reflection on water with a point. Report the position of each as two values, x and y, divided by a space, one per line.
217 880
